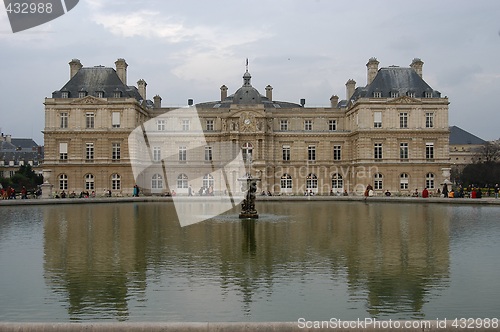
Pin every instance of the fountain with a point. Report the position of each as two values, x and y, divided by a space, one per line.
248 210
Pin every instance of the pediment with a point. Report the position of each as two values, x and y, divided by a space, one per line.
89 100
404 100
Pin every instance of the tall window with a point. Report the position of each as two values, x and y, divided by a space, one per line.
377 151
286 181
63 182
208 153
311 153
332 125
403 151
156 153
115 120
160 125
429 120
63 151
247 150
208 181
210 125
185 125
283 125
286 152
182 153
89 120
337 181
308 125
429 180
116 182
403 120
182 181
89 182
64 120
312 181
403 181
89 151
337 152
157 181
115 151
429 150
377 119
378 183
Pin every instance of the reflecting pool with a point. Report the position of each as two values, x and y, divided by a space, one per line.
312 260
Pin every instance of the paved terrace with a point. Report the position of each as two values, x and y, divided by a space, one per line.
374 199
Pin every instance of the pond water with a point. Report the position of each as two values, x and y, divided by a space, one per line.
312 260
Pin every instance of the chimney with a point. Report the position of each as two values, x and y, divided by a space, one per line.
334 100
190 102
74 66
269 92
223 92
157 101
141 86
417 65
372 66
350 87
302 102
121 70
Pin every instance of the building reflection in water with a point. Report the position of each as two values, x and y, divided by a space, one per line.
102 258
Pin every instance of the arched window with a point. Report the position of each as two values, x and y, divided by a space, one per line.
312 181
378 183
89 182
63 182
429 181
337 181
157 182
208 181
116 182
246 151
182 181
286 181
403 181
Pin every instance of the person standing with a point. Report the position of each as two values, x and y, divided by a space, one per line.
497 189
425 193
190 191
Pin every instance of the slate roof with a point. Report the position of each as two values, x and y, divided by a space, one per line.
458 136
95 79
403 80
20 149
247 95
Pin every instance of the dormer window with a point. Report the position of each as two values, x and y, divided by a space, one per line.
65 94
394 94
377 94
82 94
99 94
411 94
428 94
117 94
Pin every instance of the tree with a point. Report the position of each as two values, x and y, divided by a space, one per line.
488 152
26 177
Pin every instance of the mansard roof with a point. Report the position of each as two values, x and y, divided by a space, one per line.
458 136
400 80
97 79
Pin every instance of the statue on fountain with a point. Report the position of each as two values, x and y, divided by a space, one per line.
248 210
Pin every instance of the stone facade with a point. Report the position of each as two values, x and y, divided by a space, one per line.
392 133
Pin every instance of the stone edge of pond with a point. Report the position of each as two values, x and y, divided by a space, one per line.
419 200
426 325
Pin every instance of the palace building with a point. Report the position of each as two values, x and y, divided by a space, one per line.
102 134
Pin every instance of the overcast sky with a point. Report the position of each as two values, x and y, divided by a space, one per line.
304 49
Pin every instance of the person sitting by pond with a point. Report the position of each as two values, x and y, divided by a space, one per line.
63 194
346 193
388 193
473 193
269 193
479 193
311 193
451 194
425 193
263 193
415 193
